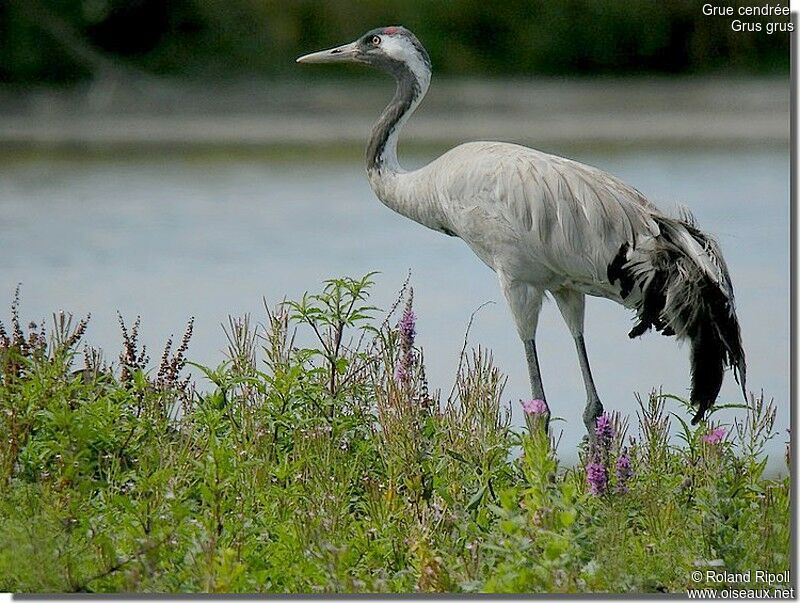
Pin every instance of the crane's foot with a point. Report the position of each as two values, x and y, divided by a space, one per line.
594 408
545 422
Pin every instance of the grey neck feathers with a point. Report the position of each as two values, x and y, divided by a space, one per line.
382 146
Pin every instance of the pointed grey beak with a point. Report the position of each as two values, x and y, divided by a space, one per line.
340 54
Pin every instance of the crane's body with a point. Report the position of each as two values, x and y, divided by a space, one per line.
528 215
546 224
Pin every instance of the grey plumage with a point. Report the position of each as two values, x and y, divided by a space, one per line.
546 224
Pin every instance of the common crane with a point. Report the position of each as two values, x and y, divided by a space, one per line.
548 224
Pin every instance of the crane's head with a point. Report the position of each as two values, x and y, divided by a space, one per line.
394 49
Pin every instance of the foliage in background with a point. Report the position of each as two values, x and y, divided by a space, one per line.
331 467
66 40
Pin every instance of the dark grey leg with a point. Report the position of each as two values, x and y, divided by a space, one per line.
537 389
571 304
594 408
525 302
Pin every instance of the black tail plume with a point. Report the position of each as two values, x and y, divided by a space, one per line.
707 370
681 287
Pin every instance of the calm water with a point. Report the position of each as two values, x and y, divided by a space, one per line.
170 238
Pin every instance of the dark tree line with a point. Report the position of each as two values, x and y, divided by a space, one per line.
61 41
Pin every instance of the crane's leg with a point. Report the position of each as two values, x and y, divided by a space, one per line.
525 302
572 304
537 389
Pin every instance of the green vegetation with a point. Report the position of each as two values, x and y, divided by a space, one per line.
332 468
67 40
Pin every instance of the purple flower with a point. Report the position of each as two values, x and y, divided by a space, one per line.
597 477
604 430
401 373
407 328
604 433
715 436
534 407
407 325
624 471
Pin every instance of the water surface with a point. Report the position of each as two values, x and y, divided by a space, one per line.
170 237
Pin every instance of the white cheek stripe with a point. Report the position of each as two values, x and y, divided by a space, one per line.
399 49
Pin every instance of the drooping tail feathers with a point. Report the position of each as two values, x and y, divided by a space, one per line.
678 283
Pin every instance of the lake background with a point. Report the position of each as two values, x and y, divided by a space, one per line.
97 218
170 159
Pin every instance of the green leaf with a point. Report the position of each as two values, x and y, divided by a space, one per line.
555 547
456 455
476 498
567 517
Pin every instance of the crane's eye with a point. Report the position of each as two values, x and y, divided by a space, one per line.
376 40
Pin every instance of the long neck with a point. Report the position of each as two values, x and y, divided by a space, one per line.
401 191
382 146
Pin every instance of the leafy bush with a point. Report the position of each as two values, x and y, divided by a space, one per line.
333 468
